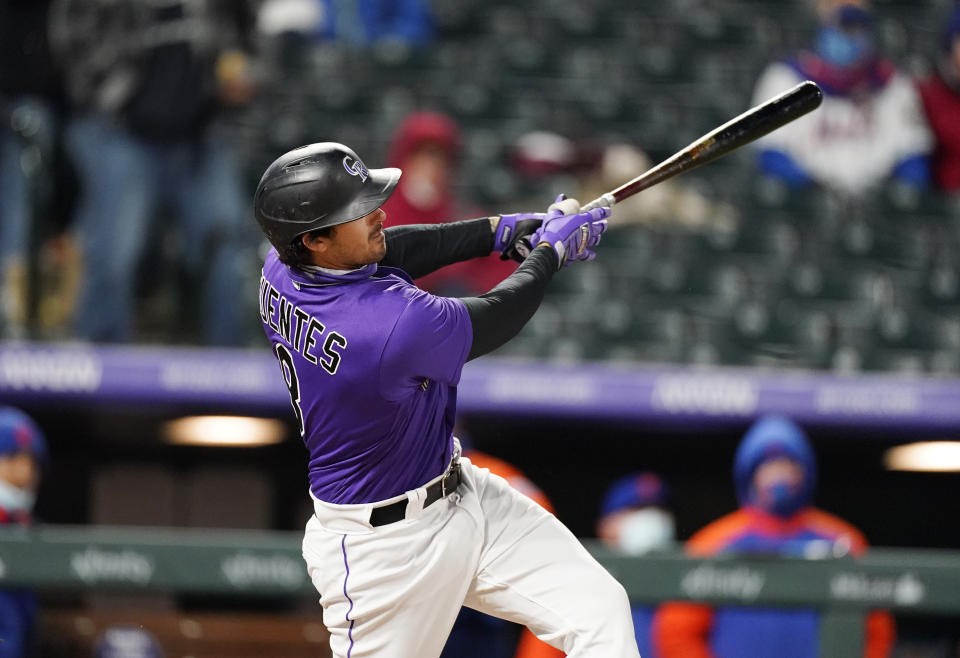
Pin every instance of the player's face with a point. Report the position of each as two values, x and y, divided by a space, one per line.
354 244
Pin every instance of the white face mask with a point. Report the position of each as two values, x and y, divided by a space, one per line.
646 530
422 192
15 499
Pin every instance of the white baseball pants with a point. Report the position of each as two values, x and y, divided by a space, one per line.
394 591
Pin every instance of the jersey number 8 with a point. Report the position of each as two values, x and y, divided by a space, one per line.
290 379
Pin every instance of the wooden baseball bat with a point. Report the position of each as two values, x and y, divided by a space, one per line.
751 125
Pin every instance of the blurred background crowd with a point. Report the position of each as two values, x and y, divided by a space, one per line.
132 137
133 132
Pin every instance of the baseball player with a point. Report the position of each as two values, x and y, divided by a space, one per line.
405 530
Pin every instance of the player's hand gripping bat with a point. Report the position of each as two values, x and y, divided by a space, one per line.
751 125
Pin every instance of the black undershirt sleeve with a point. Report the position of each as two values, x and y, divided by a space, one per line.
419 249
499 315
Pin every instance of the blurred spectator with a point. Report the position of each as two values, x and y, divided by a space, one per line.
127 642
480 635
775 476
147 79
426 147
634 516
355 22
635 519
941 99
672 203
544 164
30 102
23 452
870 127
541 154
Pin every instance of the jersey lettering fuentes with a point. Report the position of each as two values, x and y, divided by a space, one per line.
372 364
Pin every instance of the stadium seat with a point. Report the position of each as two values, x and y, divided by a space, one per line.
902 362
713 343
941 285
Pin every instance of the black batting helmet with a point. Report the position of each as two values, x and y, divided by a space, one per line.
317 186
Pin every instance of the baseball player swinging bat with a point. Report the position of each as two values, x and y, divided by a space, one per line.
749 126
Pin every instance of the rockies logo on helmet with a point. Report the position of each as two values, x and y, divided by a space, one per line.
355 167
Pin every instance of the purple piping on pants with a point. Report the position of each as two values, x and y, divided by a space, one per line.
343 546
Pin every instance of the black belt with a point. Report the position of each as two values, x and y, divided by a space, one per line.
397 511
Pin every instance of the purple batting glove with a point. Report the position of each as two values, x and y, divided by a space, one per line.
561 206
511 231
572 236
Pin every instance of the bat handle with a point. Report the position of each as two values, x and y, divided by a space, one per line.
606 201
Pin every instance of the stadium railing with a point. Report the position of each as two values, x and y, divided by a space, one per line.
246 381
248 563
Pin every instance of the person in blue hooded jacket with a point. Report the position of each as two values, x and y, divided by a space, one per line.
23 452
775 474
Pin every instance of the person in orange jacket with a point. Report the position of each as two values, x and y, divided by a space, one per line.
775 475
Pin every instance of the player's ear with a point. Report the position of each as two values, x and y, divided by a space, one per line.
314 242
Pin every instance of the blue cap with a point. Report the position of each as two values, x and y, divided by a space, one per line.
127 642
19 433
953 28
635 490
768 438
850 15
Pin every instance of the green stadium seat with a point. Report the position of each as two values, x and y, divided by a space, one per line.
771 236
944 363
773 335
941 285
903 362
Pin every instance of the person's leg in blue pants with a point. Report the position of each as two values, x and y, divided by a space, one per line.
216 236
118 200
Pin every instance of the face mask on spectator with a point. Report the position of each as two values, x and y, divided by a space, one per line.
843 48
645 530
779 497
422 192
15 499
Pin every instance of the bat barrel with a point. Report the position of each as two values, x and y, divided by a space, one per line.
758 121
743 129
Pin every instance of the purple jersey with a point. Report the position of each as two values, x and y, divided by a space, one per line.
372 365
